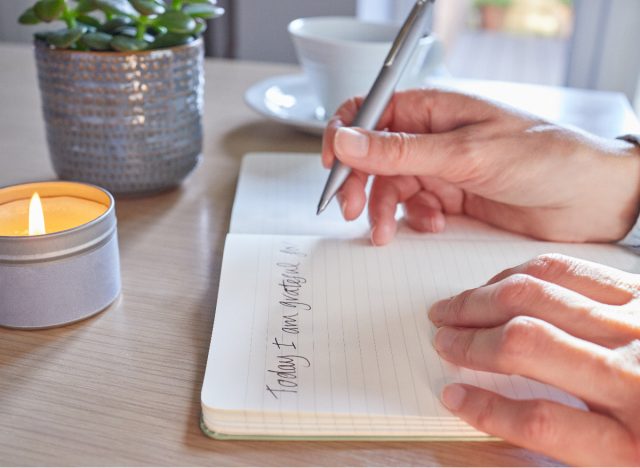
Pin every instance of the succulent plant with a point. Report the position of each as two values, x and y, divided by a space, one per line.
121 25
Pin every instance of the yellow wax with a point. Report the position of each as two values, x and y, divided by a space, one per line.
60 214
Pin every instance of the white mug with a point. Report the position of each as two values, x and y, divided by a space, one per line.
341 56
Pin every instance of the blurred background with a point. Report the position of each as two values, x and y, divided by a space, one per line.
579 43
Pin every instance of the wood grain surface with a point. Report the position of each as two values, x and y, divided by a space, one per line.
122 388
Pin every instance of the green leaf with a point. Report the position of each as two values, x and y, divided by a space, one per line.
89 20
117 7
97 41
131 31
63 38
148 7
201 27
210 2
48 10
157 30
128 44
114 24
41 35
29 17
85 6
171 40
203 10
176 22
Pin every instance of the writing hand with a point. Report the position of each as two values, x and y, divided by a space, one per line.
447 153
559 320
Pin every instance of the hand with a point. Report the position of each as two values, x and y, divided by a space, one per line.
447 153
559 320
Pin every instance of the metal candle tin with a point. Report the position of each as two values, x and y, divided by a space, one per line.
63 277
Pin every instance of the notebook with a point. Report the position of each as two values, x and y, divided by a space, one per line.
317 334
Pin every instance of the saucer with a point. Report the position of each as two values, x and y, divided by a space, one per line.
287 99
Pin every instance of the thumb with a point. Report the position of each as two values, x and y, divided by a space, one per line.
397 153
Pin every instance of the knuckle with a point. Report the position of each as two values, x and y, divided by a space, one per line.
626 360
399 149
619 371
347 110
520 339
549 265
464 343
465 145
486 415
465 149
516 290
458 307
538 423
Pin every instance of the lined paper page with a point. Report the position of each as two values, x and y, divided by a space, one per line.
333 334
278 193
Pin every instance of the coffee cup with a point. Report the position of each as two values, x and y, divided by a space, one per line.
341 56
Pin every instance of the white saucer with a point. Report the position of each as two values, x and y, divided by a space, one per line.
287 99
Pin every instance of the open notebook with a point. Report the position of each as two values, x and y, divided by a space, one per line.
318 334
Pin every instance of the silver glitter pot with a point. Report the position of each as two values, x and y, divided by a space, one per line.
59 278
127 121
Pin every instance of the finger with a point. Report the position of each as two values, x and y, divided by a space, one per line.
423 212
450 196
628 361
519 294
386 194
328 154
432 133
399 153
598 282
512 218
573 436
344 116
352 195
532 348
437 111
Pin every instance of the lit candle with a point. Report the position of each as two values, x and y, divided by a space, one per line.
59 258
60 213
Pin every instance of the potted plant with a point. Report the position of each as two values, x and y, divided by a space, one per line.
122 89
492 13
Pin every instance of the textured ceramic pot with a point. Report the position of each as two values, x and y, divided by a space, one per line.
127 121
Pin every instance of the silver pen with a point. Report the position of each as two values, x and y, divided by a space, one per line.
378 98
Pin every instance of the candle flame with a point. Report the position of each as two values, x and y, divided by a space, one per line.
36 216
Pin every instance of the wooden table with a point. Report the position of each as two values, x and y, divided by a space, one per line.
123 387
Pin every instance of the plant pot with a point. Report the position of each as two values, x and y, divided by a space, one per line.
130 122
492 17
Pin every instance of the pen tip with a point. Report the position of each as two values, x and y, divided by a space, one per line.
321 206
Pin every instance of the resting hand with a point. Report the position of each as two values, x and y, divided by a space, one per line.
447 153
567 322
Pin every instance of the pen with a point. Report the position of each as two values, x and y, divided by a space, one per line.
376 101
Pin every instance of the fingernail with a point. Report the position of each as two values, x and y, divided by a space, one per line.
350 142
453 396
343 207
383 233
436 312
437 224
444 339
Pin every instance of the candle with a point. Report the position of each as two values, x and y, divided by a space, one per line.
60 213
59 258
